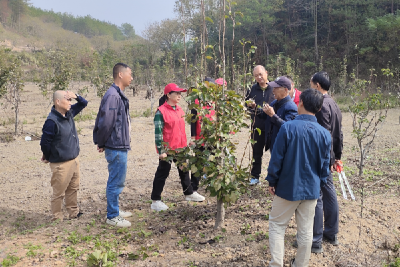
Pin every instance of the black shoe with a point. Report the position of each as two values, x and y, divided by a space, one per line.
317 249
77 215
333 241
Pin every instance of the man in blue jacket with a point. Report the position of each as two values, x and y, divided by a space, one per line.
298 167
281 110
111 134
60 147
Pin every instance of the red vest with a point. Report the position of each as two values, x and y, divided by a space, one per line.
174 126
296 99
198 122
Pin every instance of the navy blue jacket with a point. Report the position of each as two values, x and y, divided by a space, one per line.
299 163
60 146
285 110
111 129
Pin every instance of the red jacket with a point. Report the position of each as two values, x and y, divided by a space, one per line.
174 126
198 122
297 97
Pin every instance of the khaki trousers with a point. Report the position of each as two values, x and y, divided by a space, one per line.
281 213
65 183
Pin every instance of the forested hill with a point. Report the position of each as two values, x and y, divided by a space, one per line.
348 38
23 24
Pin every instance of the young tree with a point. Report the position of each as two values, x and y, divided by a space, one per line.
58 70
226 179
369 111
11 82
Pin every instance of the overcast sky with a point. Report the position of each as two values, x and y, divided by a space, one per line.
139 13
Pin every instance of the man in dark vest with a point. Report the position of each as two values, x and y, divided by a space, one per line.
60 147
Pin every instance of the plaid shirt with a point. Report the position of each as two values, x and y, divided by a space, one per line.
158 132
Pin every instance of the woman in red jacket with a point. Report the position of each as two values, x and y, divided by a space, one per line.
169 125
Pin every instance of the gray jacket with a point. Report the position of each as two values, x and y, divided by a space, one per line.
111 129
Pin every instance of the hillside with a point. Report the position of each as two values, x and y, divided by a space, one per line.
32 29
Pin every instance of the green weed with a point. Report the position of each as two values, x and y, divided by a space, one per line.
10 260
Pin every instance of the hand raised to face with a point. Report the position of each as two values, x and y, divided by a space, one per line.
70 95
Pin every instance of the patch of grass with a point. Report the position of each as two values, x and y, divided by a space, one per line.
218 237
10 260
32 249
75 238
85 116
396 263
141 113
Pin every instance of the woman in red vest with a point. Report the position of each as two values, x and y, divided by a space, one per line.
169 125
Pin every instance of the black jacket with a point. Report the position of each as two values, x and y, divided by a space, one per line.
111 128
330 118
260 97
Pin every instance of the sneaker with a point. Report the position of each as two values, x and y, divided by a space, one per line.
119 222
195 197
125 214
254 181
158 205
333 241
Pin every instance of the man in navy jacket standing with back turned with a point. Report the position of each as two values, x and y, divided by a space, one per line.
299 166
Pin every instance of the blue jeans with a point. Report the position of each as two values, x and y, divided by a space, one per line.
117 165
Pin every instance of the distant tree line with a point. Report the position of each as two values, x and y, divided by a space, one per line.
12 10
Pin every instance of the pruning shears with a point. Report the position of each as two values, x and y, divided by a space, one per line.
342 176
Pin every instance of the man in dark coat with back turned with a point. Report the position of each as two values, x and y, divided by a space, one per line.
327 209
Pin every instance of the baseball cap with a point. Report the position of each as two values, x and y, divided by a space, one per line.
171 87
281 82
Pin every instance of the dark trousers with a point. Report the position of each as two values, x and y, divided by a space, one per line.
258 151
327 210
195 180
162 174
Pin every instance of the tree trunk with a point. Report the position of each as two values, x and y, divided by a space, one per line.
316 32
223 48
219 221
184 44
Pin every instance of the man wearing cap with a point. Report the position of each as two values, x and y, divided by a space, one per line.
111 134
281 110
260 93
170 134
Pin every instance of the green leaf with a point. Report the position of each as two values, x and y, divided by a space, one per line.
193 169
259 131
209 20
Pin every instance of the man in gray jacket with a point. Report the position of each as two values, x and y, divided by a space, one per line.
112 134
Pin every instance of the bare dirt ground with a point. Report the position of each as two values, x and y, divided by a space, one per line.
184 235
